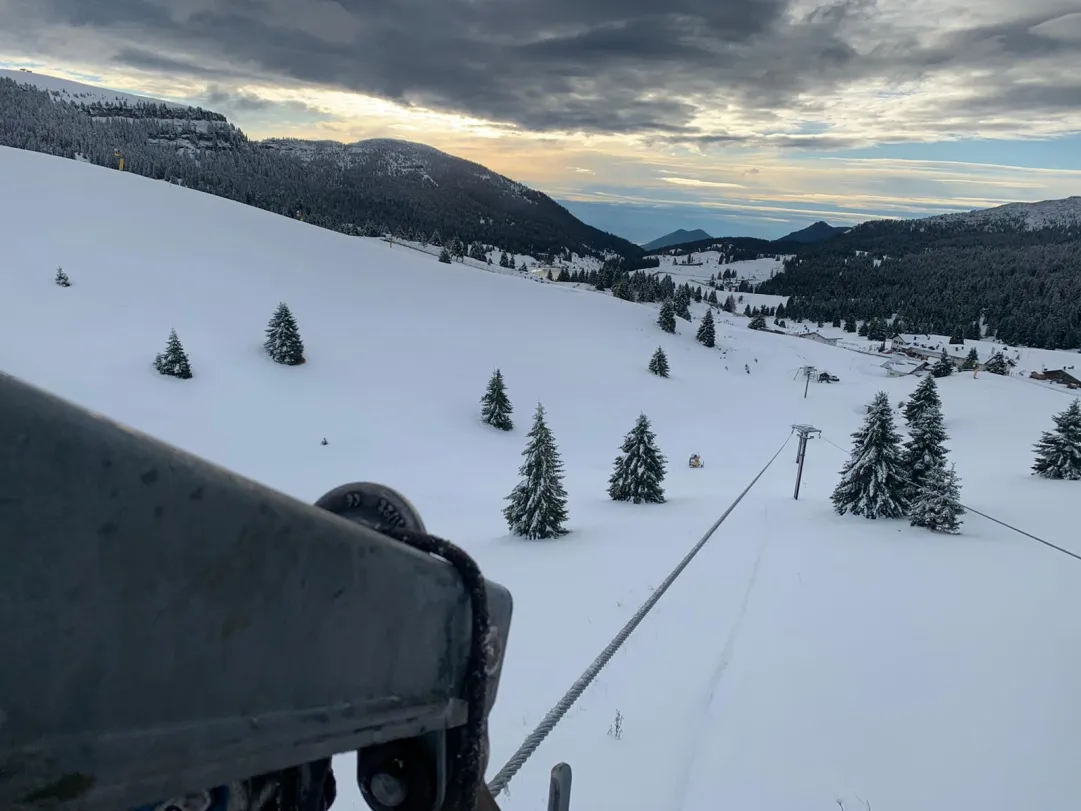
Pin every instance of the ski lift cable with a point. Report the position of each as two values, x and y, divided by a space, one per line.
554 715
991 518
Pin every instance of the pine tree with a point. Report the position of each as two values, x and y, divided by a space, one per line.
937 505
758 322
958 336
707 335
495 405
283 342
997 365
872 480
62 279
925 397
681 304
174 360
667 319
639 470
1058 453
658 364
972 360
538 503
943 367
444 256
924 452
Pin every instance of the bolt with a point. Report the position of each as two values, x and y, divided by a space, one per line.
388 790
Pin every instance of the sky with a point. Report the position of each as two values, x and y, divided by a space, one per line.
750 118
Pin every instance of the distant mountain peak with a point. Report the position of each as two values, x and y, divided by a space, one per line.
677 237
816 232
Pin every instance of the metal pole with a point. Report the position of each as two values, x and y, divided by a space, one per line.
559 788
807 384
799 470
804 432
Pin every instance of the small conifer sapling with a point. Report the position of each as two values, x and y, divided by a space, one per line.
62 279
707 334
640 467
495 405
658 364
937 505
173 362
538 503
943 367
997 365
1058 453
667 318
283 342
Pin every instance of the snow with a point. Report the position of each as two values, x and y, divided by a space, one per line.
802 658
1031 216
76 92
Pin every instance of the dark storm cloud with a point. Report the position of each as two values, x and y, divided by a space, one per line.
623 66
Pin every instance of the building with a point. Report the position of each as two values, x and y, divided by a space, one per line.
819 338
901 368
1060 376
957 358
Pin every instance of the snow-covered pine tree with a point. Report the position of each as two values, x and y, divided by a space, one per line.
707 334
444 256
639 469
758 322
1058 453
495 405
872 480
937 505
283 342
658 364
972 360
943 367
667 319
924 452
997 365
174 360
924 397
681 304
62 279
538 503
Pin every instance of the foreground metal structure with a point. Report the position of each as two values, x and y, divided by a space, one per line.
168 626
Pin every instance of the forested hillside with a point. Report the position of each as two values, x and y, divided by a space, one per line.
369 187
1016 279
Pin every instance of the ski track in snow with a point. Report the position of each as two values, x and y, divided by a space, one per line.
846 657
700 720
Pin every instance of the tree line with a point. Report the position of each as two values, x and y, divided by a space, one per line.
349 188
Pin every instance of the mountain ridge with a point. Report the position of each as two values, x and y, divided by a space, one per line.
371 187
678 237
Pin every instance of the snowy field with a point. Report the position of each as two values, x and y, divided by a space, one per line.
803 658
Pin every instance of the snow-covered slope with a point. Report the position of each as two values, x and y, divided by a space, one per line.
1064 213
76 92
802 657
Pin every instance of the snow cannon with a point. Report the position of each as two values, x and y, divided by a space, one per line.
167 626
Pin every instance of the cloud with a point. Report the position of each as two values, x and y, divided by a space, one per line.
706 73
702 184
